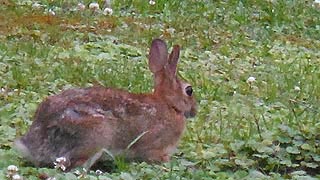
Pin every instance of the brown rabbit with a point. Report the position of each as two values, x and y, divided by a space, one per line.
78 123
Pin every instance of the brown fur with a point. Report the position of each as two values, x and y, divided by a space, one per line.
78 123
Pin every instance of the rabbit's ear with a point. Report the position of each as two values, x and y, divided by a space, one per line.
173 60
158 55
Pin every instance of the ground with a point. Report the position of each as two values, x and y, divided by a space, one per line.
254 67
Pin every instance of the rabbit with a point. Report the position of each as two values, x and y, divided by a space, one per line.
78 124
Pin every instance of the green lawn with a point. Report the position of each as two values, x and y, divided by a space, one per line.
254 66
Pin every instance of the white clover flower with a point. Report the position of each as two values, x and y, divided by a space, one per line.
16 177
316 3
81 7
13 168
36 5
251 79
171 30
107 11
99 172
60 163
51 12
152 2
94 6
297 88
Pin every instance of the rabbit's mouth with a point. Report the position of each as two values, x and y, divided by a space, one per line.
187 114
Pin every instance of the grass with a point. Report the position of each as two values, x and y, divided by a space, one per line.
267 129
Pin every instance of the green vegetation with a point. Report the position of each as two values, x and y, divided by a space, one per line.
263 127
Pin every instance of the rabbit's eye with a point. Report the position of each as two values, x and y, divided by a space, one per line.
189 90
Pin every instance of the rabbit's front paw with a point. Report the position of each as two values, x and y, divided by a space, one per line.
158 156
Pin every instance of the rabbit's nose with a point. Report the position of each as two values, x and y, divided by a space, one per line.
189 114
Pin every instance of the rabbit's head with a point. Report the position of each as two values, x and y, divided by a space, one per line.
167 85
